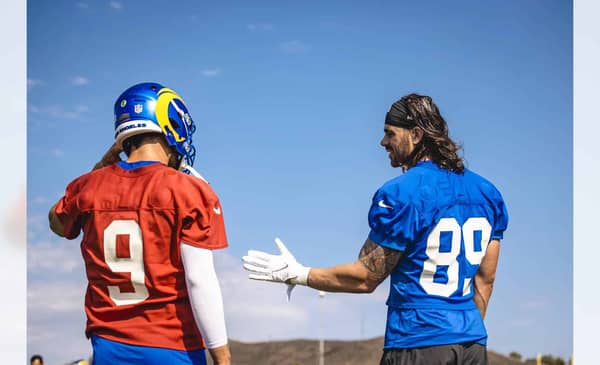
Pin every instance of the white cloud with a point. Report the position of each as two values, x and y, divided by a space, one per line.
211 72
56 317
37 225
294 47
62 297
32 83
41 200
116 5
59 112
80 81
264 27
57 152
53 256
81 108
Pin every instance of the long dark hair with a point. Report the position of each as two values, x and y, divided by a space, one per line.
436 143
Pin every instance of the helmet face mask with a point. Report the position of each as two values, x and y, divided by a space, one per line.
151 107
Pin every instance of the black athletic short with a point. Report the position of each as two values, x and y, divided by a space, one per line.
460 354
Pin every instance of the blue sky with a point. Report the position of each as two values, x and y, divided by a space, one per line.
289 100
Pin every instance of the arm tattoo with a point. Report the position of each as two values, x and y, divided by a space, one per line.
380 261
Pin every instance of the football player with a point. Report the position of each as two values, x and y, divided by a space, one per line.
153 296
435 230
37 360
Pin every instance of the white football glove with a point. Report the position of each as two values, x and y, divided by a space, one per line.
277 268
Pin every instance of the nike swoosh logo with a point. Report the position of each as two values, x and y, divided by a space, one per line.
383 205
217 210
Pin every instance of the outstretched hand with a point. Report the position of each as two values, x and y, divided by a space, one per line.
276 268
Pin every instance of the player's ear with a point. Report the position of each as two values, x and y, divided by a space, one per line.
417 135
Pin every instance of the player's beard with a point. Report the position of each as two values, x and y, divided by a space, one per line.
399 152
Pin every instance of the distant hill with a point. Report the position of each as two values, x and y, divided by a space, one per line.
305 352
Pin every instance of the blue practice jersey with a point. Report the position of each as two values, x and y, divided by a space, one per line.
443 222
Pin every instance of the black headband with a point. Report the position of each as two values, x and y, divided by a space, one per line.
400 116
404 121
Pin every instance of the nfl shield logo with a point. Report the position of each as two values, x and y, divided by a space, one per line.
138 108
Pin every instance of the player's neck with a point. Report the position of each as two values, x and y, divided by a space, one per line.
149 152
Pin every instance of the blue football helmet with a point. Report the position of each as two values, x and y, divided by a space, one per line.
151 107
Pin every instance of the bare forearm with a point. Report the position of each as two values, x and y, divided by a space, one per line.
483 282
220 355
348 278
111 156
482 295
55 224
374 264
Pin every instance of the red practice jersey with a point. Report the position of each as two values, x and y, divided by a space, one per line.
133 222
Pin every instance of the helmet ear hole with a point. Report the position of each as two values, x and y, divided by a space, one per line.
174 124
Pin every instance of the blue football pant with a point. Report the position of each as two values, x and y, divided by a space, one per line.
460 354
107 352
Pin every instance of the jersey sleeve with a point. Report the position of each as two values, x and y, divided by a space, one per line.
501 217
393 222
68 212
203 226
